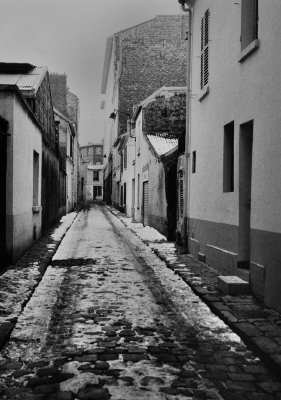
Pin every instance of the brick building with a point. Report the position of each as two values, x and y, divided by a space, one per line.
65 101
138 61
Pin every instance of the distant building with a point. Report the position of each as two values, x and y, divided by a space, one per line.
94 184
92 153
69 147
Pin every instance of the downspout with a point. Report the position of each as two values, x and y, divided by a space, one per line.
188 10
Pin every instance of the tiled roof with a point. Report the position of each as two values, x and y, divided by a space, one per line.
25 80
162 143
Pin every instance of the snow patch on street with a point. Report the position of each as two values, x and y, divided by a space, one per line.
65 221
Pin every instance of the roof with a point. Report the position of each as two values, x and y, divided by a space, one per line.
162 143
26 77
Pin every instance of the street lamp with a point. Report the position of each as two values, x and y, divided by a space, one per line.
129 121
114 114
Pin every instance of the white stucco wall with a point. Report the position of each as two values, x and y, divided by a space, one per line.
239 92
22 222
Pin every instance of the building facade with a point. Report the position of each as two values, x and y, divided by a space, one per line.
92 156
233 202
137 62
30 157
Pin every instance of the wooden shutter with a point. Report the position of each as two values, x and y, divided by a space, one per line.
181 194
145 203
204 74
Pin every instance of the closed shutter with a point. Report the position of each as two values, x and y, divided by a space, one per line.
181 196
205 50
145 203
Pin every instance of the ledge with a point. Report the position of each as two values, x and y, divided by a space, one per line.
249 50
204 92
36 209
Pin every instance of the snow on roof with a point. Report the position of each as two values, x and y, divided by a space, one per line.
26 79
162 144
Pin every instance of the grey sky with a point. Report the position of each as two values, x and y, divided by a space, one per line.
68 36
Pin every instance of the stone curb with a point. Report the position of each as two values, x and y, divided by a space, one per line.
19 281
258 326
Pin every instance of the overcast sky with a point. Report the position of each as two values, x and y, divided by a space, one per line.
68 36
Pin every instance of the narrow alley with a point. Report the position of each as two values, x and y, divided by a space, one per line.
109 320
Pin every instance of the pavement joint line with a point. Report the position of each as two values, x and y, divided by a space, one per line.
269 358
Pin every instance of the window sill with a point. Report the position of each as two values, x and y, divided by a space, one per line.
36 209
249 50
204 92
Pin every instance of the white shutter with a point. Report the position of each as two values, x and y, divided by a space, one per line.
145 203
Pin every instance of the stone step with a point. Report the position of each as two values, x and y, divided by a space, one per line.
233 285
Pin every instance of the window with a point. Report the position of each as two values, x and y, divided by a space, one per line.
96 176
125 194
98 150
181 194
204 76
125 157
228 158
35 178
193 162
249 22
138 195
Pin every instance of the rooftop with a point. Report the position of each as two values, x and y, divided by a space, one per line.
25 76
162 143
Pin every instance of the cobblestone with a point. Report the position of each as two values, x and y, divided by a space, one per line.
141 333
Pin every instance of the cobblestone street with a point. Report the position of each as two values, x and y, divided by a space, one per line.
109 320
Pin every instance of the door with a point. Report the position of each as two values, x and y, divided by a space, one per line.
245 190
145 203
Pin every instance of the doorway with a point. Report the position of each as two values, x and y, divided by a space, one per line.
245 189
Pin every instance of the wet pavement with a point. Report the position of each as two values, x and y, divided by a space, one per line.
110 320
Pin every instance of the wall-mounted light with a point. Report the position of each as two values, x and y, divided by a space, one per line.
129 121
114 114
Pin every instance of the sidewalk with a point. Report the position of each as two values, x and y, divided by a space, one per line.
259 327
19 281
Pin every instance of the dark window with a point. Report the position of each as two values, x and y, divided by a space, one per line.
249 22
125 157
35 178
96 175
193 162
228 158
125 194
204 75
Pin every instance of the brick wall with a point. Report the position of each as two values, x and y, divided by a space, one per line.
72 107
151 55
58 84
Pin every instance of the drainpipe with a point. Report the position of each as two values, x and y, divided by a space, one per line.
186 9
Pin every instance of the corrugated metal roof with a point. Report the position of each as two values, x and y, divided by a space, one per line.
29 81
162 144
